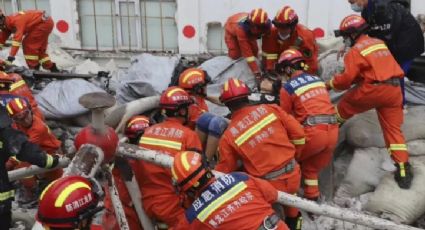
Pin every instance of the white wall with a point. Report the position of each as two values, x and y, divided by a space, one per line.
66 10
325 14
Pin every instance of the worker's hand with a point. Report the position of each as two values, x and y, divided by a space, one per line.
9 60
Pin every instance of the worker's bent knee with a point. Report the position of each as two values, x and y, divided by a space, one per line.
212 124
203 122
217 126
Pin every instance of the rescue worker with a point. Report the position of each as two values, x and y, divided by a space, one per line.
371 67
305 97
288 33
13 86
15 143
31 28
243 202
194 81
392 22
70 203
123 171
38 133
241 33
170 136
265 139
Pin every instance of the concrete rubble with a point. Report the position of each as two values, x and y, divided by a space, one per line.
360 163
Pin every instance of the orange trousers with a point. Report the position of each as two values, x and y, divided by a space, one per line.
234 50
35 45
166 209
289 183
387 100
316 155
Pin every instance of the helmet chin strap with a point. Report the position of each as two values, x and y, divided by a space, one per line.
283 38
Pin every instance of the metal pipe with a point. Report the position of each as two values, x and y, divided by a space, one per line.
340 213
135 152
21 173
98 120
136 198
116 203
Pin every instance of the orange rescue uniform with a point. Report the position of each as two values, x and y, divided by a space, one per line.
196 110
20 88
39 134
301 39
370 65
239 202
32 28
305 96
159 196
239 42
265 139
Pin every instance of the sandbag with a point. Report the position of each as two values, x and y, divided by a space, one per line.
363 130
365 171
60 98
118 115
400 205
416 147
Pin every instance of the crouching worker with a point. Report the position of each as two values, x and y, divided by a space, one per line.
70 203
232 201
305 97
38 133
123 172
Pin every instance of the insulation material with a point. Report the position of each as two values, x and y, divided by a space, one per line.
60 98
364 130
365 171
400 205
156 70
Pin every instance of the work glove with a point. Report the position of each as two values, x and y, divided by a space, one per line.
10 60
403 175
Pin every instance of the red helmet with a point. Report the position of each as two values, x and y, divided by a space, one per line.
136 126
187 169
174 97
108 141
351 24
289 57
65 202
233 89
286 17
192 77
17 106
259 17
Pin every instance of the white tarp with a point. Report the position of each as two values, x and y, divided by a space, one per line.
60 98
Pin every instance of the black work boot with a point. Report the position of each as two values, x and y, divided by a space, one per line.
294 223
403 175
